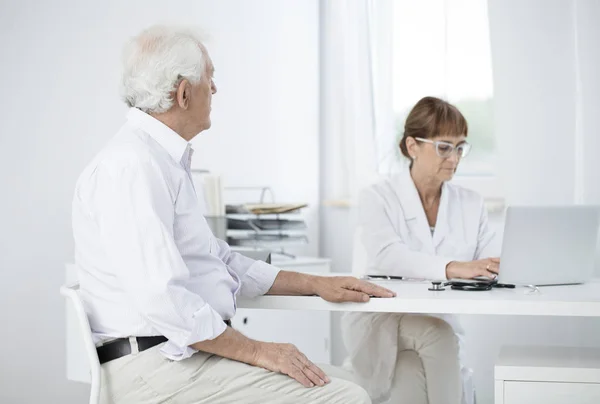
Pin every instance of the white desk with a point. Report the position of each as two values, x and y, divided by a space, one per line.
413 297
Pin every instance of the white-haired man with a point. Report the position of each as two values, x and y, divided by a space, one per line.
158 287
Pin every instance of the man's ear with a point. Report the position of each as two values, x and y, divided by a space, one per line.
183 93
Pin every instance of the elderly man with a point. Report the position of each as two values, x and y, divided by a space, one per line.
158 287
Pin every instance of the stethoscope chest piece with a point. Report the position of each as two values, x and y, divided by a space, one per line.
436 285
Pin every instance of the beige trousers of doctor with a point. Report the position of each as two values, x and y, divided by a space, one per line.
148 377
421 350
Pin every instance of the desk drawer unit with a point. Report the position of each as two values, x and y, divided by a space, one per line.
551 393
548 375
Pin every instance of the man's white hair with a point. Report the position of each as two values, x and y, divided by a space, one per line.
155 62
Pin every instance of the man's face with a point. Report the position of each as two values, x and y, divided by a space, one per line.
200 102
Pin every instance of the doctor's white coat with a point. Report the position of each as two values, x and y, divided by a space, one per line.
397 240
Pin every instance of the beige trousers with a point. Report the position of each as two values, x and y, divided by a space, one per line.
148 377
404 358
427 366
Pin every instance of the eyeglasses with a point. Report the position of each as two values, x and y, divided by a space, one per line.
445 149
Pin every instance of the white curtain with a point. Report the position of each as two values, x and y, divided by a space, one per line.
356 91
546 103
546 59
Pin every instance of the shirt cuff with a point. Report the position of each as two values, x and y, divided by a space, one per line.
258 279
175 353
208 325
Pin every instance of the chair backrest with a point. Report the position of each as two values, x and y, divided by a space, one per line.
359 254
71 293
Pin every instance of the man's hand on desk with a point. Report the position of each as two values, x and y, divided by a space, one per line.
336 289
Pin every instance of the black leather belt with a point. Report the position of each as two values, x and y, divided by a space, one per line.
120 347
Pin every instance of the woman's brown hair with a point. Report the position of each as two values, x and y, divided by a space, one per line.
432 117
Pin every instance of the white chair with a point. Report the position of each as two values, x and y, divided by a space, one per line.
71 292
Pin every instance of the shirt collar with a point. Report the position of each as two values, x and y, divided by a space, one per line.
174 144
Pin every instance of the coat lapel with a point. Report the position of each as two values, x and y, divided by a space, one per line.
442 225
414 214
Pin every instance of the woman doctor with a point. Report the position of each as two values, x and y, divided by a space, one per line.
419 225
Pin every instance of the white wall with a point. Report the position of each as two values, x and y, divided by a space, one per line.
266 112
533 53
59 77
587 14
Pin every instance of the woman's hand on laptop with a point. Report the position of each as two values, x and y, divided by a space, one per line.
471 269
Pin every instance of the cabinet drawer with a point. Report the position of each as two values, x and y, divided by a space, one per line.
551 393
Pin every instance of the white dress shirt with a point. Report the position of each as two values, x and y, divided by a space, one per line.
146 259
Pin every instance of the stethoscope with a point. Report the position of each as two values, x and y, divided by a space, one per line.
468 286
454 284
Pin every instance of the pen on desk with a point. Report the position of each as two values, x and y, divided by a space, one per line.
504 285
384 277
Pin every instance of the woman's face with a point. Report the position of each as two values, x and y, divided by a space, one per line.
437 157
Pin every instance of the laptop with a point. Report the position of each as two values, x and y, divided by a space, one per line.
549 245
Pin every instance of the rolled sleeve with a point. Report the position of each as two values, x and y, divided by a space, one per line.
208 325
256 277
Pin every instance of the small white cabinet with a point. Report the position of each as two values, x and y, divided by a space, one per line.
310 331
547 375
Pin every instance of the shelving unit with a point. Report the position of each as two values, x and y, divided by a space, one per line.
271 231
250 218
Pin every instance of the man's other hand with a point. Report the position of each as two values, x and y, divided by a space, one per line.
287 359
